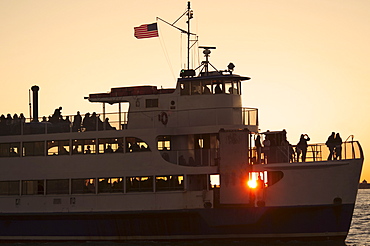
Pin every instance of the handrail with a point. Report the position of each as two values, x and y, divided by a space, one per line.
345 146
315 152
192 157
67 123
117 121
350 136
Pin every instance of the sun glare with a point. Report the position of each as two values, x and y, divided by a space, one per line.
257 179
252 184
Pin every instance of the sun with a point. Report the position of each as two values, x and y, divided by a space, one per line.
252 183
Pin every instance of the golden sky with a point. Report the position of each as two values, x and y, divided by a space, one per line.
308 59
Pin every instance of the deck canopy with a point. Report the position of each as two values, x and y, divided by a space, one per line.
117 95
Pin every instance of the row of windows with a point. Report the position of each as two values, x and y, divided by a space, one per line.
210 87
75 147
92 185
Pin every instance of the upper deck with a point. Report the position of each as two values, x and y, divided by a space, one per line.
210 101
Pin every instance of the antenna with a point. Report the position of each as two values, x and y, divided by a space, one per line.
189 14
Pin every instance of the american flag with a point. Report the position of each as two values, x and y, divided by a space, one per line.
146 31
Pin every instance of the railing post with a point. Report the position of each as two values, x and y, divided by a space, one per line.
119 116
243 116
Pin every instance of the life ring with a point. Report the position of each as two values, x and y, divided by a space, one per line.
164 118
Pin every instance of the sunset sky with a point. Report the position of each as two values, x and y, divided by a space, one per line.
308 59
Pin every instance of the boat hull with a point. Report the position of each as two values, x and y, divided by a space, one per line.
324 222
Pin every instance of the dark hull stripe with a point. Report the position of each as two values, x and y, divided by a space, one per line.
279 222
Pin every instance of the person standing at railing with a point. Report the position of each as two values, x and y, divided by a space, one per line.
77 122
302 147
331 145
266 149
338 147
258 145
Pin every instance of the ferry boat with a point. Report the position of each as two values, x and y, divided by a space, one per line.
182 164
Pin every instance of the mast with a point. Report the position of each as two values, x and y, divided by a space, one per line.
190 15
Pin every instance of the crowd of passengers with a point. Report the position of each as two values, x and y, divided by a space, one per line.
11 124
56 123
276 148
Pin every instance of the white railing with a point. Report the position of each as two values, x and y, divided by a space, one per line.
192 157
315 152
68 123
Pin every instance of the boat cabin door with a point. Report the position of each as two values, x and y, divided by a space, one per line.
234 167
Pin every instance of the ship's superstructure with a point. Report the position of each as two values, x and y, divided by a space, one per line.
182 163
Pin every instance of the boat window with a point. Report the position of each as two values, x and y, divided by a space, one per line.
217 87
214 180
236 88
164 143
151 103
274 176
207 87
196 88
9 188
110 145
232 87
83 186
196 182
185 88
33 187
58 147
169 183
84 146
229 87
57 186
269 178
9 150
110 185
136 145
139 184
34 148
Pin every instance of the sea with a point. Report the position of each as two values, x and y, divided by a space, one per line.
359 234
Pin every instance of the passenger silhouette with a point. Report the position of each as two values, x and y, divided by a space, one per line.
107 125
218 89
331 145
165 155
338 147
108 149
302 147
86 123
77 120
88 150
266 149
258 144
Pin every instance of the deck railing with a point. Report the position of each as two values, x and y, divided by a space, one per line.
315 152
93 122
192 157
89 122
